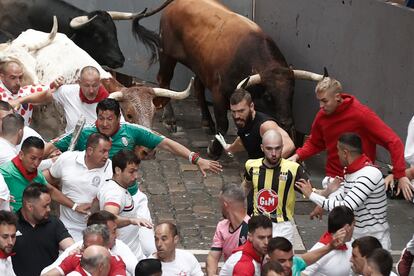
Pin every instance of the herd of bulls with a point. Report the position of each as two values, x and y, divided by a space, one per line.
221 47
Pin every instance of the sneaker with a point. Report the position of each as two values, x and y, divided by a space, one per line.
404 264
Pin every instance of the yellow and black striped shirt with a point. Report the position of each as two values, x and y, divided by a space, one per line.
274 188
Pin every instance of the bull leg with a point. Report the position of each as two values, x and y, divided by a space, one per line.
165 74
214 149
206 120
220 112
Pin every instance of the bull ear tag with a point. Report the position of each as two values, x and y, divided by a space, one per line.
325 72
245 83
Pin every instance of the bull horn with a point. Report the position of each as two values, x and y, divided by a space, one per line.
306 75
117 95
80 21
125 15
162 92
325 72
251 80
49 39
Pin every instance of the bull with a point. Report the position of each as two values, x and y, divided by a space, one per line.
95 32
221 48
62 57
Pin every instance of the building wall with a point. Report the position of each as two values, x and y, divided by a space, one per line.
366 44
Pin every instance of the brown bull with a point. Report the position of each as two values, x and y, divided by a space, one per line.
221 48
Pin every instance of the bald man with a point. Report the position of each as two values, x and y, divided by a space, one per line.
95 261
272 180
12 77
76 99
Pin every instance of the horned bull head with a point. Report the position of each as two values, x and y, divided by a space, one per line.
139 103
277 99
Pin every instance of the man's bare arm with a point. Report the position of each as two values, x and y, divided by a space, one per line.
288 145
213 259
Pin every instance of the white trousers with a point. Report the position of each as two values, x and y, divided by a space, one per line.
283 229
146 236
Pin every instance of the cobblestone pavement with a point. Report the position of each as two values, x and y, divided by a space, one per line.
178 193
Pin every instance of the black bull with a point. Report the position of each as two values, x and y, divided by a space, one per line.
98 37
221 48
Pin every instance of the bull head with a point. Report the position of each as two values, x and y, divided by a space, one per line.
160 92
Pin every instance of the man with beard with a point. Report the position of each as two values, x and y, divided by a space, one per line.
8 222
272 180
40 236
251 126
11 79
247 259
231 232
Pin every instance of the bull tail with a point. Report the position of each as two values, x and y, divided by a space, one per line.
150 39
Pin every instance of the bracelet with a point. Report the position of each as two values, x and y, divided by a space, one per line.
193 157
74 206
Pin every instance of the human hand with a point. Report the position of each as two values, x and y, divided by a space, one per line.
15 103
305 187
316 213
57 83
294 158
209 165
339 237
84 208
389 181
334 185
141 222
406 187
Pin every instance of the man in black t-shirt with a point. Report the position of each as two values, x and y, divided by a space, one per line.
251 125
39 236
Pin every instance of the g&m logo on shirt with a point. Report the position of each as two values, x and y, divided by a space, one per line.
267 201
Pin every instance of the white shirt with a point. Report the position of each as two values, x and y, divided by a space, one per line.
8 151
409 143
4 195
27 132
184 264
68 97
80 185
335 262
6 267
26 110
111 193
120 249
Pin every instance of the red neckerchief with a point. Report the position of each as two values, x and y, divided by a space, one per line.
3 255
358 164
116 130
102 95
28 175
248 249
326 238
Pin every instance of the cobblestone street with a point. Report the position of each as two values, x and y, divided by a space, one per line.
177 192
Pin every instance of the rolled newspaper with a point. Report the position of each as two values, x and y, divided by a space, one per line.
76 133
223 143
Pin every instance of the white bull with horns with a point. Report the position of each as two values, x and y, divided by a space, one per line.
47 56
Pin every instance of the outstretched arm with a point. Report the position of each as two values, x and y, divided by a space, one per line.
41 97
180 150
